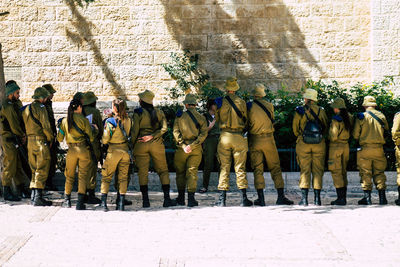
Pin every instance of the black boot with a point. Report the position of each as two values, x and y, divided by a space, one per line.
121 203
9 195
317 197
33 193
168 202
245 201
382 197
104 202
282 200
397 201
24 191
145 196
341 197
91 197
366 200
191 201
67 201
126 202
39 200
222 199
304 197
260 201
180 200
80 205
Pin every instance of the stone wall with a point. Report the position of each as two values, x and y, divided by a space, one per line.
115 47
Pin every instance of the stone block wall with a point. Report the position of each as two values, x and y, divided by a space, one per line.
115 47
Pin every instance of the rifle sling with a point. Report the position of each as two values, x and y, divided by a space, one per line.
33 117
265 110
240 115
376 118
193 119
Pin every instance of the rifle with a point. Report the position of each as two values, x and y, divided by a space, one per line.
129 142
23 155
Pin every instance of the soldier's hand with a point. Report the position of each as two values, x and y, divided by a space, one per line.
212 123
187 149
146 138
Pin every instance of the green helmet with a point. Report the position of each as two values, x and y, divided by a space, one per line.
338 103
78 96
190 99
11 88
40 92
49 88
89 98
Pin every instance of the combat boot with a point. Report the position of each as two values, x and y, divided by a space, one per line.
282 200
104 202
80 205
145 196
192 202
245 202
126 202
222 199
317 197
168 202
180 200
24 191
341 197
121 203
9 195
39 200
260 201
304 197
366 200
382 197
33 193
91 197
397 201
67 201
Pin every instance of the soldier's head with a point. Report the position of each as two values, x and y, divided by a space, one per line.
338 105
231 85
89 99
190 101
310 96
75 106
146 97
12 90
259 91
119 108
78 96
50 89
211 106
41 94
369 102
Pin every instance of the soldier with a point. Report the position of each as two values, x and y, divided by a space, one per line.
190 131
371 161
210 144
117 132
79 96
396 140
309 126
232 118
54 147
339 134
76 130
89 109
40 138
149 125
262 146
13 135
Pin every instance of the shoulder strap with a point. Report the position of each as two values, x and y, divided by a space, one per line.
376 118
193 119
121 126
240 115
79 130
33 117
265 110
315 115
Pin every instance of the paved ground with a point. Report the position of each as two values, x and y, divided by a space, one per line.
203 236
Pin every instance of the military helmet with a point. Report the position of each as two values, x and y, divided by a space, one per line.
49 88
146 96
311 94
338 103
89 98
259 90
190 99
232 84
369 101
78 96
11 88
40 92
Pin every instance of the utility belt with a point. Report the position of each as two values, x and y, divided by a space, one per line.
262 135
37 138
76 144
372 146
338 143
232 131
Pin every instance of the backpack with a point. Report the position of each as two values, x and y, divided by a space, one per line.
312 133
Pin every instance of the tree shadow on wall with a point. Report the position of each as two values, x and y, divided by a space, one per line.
260 43
84 35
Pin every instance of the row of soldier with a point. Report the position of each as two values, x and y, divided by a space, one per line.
219 131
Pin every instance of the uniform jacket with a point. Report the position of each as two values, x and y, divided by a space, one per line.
142 124
97 119
11 119
368 130
226 116
74 136
300 119
113 133
40 113
396 129
259 122
50 113
337 131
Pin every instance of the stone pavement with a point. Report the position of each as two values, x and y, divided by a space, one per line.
202 236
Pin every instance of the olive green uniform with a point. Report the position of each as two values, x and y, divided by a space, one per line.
39 138
53 150
371 160
232 143
12 124
154 148
262 145
310 157
396 140
117 155
98 121
187 134
339 151
78 154
210 146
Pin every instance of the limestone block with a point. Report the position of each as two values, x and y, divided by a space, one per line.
261 56
65 91
38 44
92 13
137 42
162 43
381 53
47 28
343 8
352 70
386 68
265 25
335 24
322 9
203 26
144 58
308 55
6 29
125 27
113 43
194 43
76 74
380 22
232 26
123 58
346 39
207 57
274 11
332 55
12 44
46 13
28 13
219 42
62 44
56 59
196 11
21 28
162 57
270 40
63 13
115 13
299 10
79 59
12 59
99 59
31 59
95 86
395 21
